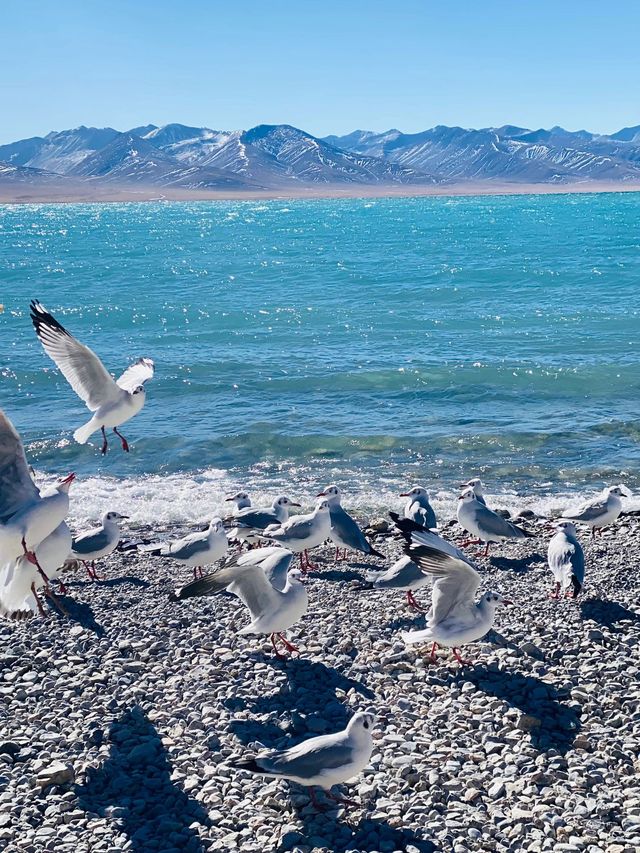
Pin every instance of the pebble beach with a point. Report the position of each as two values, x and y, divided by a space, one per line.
122 720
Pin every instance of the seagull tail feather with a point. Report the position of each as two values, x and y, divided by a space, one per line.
83 433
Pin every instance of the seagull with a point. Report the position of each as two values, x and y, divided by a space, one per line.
251 519
197 549
274 561
98 542
240 499
456 617
111 402
20 580
404 574
272 611
418 508
344 530
484 523
599 511
566 561
303 532
478 489
27 517
322 761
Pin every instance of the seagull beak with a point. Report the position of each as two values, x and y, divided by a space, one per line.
294 504
69 478
460 497
124 516
404 494
321 494
506 601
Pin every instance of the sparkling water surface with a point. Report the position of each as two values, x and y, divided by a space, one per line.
376 343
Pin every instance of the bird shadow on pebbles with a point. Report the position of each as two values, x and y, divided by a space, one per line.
365 835
112 582
520 565
336 575
555 725
79 612
309 687
134 789
607 613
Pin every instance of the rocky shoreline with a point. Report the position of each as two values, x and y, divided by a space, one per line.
120 722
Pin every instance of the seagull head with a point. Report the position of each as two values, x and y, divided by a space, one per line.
566 527
239 496
322 505
216 525
64 483
139 389
283 500
415 492
475 483
467 495
331 492
494 599
621 491
114 517
295 575
361 723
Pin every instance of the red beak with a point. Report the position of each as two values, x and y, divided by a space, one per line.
69 478
292 504
321 494
506 601
404 494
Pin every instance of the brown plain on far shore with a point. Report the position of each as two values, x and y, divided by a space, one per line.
93 194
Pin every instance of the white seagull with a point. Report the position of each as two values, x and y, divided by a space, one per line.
418 508
274 561
344 529
456 617
303 532
566 560
98 542
197 549
478 489
601 510
111 402
27 517
272 611
405 575
248 520
322 761
484 523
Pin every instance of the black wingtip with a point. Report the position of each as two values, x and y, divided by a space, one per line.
249 764
406 526
41 318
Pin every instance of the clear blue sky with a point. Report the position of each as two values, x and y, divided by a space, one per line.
328 67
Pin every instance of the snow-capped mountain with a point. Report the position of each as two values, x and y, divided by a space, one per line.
507 153
284 157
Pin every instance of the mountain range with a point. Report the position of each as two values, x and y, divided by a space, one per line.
282 157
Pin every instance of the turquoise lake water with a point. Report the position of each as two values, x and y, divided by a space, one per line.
376 343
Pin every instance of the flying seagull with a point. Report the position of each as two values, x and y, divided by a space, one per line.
111 402
456 618
566 561
272 611
322 761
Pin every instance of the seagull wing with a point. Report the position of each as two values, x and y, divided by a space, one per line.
348 531
79 365
456 582
588 511
92 540
189 546
248 583
140 372
492 524
274 561
16 486
416 534
310 758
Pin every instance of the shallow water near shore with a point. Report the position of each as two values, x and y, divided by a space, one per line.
375 343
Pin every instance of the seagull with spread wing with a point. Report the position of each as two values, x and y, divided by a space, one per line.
456 619
111 402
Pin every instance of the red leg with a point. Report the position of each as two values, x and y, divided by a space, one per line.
342 800
314 800
104 442
62 587
468 542
432 656
37 598
275 648
32 558
486 550
555 591
125 443
288 645
413 603
461 661
308 563
94 573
